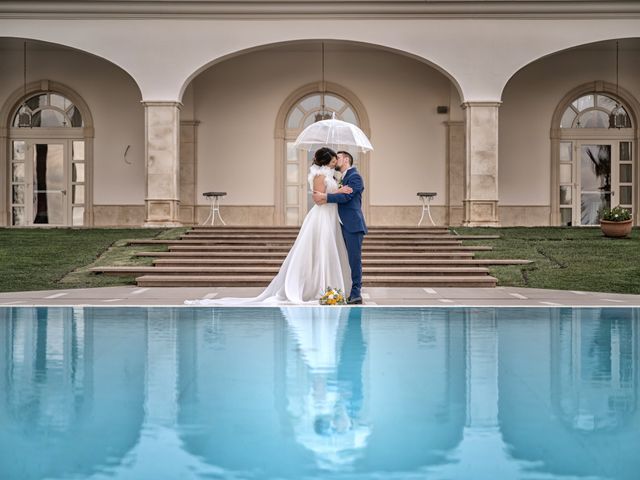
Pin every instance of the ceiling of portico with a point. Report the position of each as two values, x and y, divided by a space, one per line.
14 48
479 55
314 48
605 49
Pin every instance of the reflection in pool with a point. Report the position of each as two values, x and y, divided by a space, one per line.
319 393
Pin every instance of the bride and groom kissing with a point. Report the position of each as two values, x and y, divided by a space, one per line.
328 248
348 198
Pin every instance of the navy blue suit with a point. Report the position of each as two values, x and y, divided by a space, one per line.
353 227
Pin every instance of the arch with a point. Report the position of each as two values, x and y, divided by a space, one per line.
334 41
7 112
280 136
618 93
548 54
69 46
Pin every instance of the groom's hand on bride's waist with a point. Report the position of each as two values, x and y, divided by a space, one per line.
319 198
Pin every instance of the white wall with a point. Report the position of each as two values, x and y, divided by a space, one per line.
114 101
529 102
480 52
237 102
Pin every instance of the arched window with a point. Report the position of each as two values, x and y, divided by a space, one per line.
306 111
589 111
595 163
49 110
48 162
309 110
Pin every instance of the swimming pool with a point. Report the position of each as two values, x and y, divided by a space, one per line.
319 393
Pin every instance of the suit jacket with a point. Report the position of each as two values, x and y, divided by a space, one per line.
350 204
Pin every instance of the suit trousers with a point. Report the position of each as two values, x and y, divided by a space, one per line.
353 241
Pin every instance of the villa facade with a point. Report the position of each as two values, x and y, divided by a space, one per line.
125 113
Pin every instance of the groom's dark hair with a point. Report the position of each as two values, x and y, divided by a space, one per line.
346 154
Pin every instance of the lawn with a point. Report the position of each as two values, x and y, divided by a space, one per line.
564 258
45 259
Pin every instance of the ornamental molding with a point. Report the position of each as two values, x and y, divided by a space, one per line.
106 9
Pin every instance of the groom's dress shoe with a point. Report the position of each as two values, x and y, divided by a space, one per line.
354 301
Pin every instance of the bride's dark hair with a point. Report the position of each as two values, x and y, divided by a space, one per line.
323 156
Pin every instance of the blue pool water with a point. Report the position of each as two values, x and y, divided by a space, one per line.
319 393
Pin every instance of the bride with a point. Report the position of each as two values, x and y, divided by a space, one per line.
318 258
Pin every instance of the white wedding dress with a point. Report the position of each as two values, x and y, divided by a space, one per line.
317 260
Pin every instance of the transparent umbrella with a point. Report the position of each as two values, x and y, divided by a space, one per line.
335 134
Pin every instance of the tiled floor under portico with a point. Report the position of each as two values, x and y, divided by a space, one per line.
449 297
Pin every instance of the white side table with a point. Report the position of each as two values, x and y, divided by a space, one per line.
214 199
426 198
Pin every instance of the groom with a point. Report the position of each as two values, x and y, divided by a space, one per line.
351 219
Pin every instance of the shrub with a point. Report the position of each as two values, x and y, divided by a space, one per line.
615 214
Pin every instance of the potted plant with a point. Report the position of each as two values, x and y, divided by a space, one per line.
616 221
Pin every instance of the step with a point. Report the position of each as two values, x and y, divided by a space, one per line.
232 228
293 236
281 255
365 248
273 270
368 237
382 233
286 242
264 280
464 262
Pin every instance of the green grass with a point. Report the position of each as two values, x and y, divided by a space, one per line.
47 259
564 258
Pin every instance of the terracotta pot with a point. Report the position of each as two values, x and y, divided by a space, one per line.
616 229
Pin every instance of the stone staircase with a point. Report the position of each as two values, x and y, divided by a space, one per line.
251 256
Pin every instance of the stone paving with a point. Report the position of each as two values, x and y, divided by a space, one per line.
440 297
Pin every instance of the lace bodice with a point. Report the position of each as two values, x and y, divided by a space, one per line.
329 177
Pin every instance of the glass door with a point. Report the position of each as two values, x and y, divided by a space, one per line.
47 182
596 175
295 181
606 178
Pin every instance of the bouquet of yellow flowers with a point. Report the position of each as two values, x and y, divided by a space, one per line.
332 296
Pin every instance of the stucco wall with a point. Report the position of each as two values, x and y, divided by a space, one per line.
529 102
237 102
114 101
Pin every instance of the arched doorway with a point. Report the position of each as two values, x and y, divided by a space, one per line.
302 108
48 149
593 166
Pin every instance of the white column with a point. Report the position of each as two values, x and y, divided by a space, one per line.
482 371
162 156
5 209
455 171
161 402
188 168
481 172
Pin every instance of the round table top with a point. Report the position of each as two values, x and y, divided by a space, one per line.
427 194
214 194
